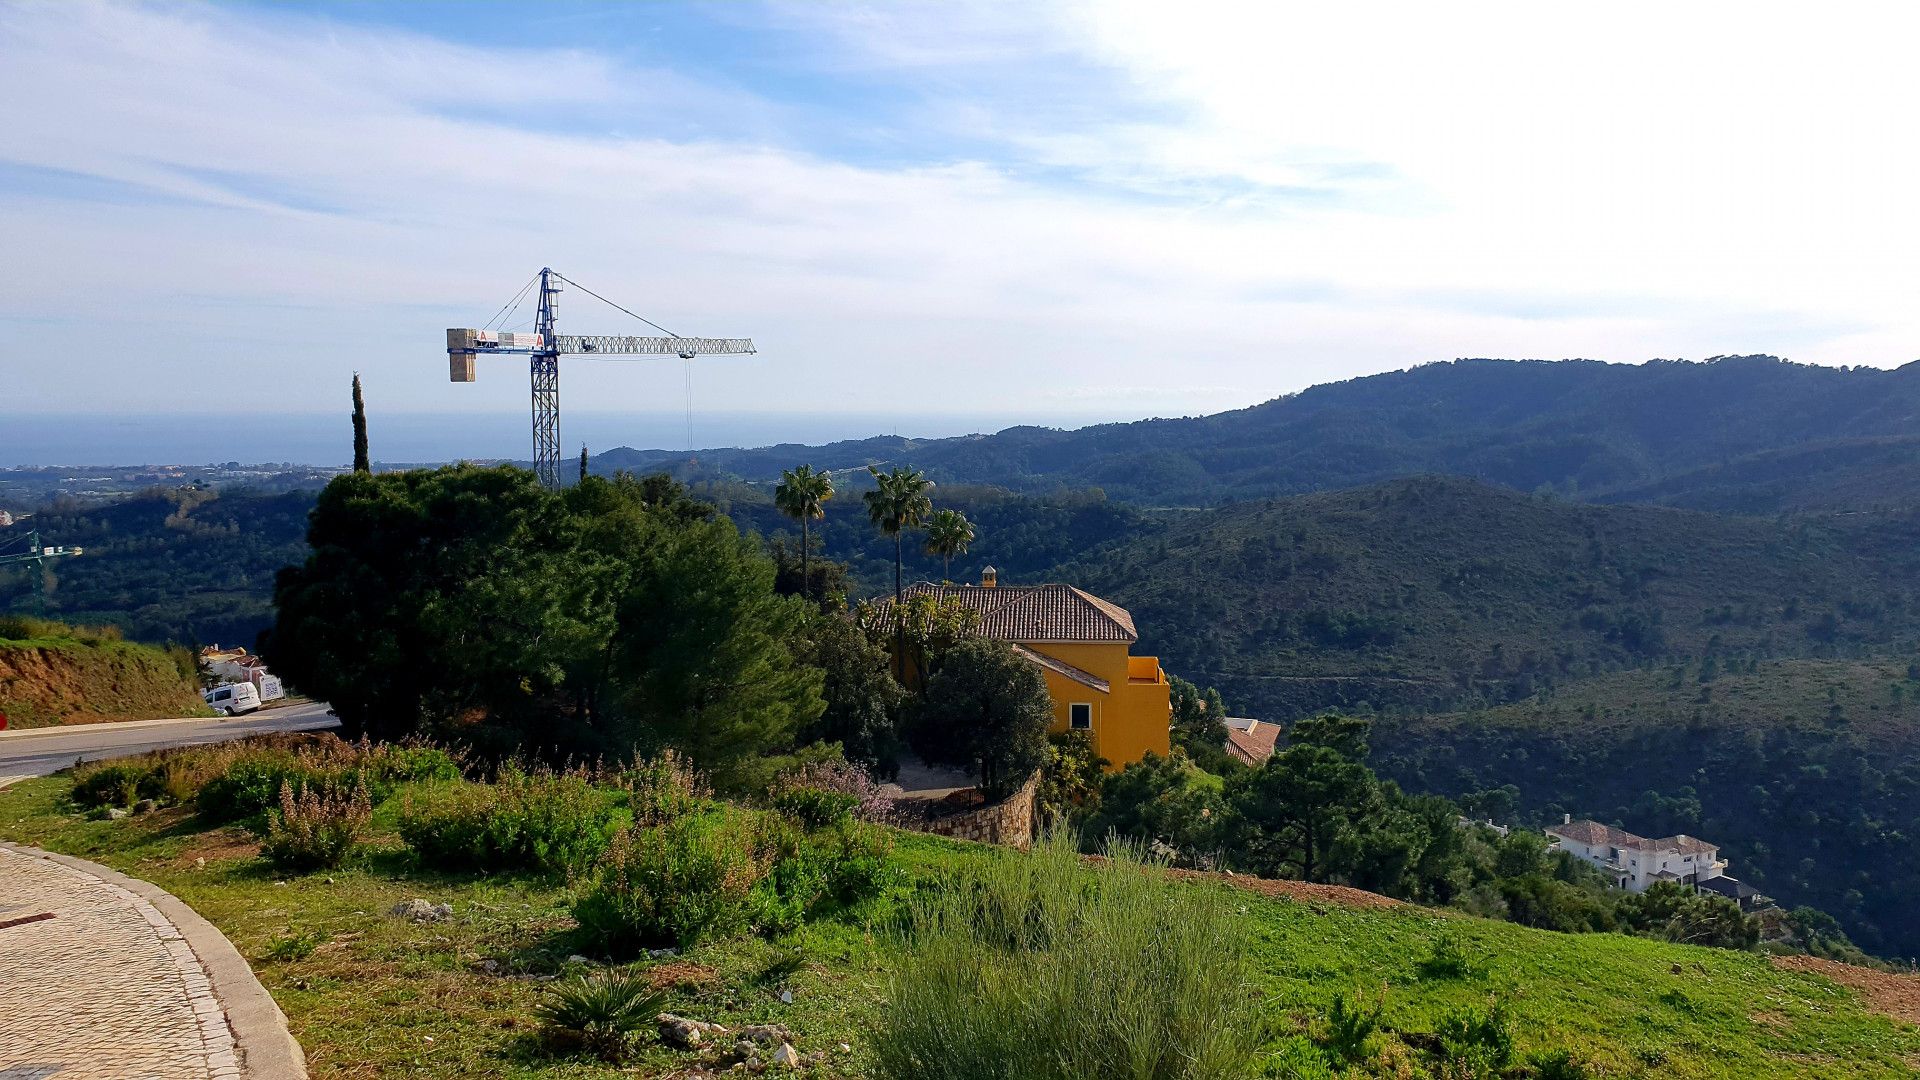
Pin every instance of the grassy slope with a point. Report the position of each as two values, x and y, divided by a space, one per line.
384 997
59 680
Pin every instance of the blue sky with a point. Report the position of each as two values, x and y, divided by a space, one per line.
1030 210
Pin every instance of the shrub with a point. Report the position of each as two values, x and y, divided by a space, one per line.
664 788
316 828
1037 967
815 808
551 822
672 884
1477 1043
119 784
1557 1065
1350 1023
872 803
599 1013
250 783
1445 960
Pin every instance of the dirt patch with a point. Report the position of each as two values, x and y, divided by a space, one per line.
682 975
221 845
1305 892
1884 992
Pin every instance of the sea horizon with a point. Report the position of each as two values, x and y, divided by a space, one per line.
325 439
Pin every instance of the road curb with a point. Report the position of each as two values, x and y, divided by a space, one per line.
265 1047
114 725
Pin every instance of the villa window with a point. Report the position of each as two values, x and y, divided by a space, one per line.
1080 715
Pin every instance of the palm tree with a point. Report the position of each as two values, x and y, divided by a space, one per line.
803 494
948 534
897 504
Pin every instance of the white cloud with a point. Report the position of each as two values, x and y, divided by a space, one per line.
1284 195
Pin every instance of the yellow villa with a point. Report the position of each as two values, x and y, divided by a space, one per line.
1082 645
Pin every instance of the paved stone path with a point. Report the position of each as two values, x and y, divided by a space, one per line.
106 989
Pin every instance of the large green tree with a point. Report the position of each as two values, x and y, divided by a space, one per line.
863 700
986 709
1298 811
473 603
802 495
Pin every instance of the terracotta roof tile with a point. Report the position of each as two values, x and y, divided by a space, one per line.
1253 745
1059 613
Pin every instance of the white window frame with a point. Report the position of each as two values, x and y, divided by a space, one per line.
1071 706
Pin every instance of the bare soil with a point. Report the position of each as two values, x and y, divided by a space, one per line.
1885 992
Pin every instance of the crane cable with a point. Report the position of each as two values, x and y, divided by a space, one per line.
615 306
512 305
656 326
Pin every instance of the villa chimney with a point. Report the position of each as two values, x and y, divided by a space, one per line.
1566 819
989 577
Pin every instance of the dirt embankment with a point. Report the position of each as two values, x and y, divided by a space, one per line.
1886 992
44 683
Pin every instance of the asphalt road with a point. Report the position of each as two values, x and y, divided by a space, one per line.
48 750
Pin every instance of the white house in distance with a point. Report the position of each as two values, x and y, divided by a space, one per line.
1635 862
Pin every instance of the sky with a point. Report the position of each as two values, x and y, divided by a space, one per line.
1042 211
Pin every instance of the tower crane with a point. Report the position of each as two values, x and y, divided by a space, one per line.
35 557
545 348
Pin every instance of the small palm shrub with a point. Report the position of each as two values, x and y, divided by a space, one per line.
671 884
542 821
1036 967
599 1013
316 828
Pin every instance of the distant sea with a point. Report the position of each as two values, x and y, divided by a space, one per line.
224 435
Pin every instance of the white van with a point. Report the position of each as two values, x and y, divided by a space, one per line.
233 698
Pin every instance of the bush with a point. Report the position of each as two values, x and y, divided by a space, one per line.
250 783
1445 960
599 1013
316 828
871 802
840 865
1477 1043
1037 967
814 808
120 784
1350 1023
664 788
550 822
1557 1065
671 885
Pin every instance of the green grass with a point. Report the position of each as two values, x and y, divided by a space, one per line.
379 996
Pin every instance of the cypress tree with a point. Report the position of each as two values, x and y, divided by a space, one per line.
583 461
361 463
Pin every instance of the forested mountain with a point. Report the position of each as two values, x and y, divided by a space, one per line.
1589 430
184 565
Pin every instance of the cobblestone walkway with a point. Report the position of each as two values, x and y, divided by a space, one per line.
105 989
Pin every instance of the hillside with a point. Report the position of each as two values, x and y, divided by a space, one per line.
53 674
1436 592
1584 428
188 565
364 992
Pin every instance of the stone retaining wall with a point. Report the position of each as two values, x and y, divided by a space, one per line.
1009 821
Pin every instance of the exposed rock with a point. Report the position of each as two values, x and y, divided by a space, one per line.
787 1056
421 911
576 958
766 1034
686 1033
656 954
786 997
114 813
